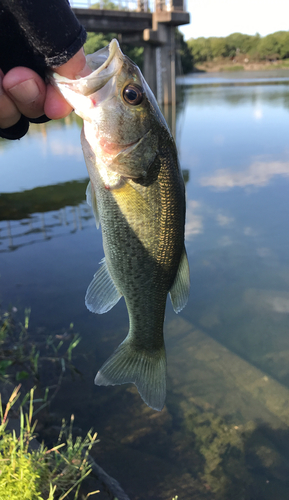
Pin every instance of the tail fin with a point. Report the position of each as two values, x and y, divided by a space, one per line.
146 370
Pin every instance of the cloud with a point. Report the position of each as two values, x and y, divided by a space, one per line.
224 220
268 300
194 221
225 241
249 231
258 174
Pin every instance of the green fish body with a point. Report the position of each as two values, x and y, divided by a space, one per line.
137 194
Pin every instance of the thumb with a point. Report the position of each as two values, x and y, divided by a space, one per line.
75 67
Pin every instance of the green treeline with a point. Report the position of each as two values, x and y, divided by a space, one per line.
197 50
270 47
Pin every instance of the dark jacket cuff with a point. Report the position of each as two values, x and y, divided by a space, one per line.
20 128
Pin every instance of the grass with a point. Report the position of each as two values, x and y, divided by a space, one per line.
26 473
22 358
284 63
41 474
237 67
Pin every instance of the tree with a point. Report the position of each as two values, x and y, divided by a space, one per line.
96 41
220 48
275 45
183 54
200 48
269 46
106 5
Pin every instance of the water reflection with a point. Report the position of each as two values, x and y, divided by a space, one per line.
258 174
236 95
235 78
44 226
224 431
194 220
49 154
39 213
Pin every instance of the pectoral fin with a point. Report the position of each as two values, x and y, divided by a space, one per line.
102 293
91 201
180 290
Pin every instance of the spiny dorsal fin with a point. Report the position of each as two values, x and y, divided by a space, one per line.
91 201
180 290
102 293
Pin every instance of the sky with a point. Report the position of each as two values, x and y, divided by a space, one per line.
223 17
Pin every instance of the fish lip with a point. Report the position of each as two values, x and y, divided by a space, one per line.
113 49
83 82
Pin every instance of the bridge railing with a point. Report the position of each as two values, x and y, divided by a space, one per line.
131 5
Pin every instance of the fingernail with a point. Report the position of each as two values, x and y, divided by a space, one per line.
25 92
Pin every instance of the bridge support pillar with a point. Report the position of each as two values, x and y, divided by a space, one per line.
159 60
149 66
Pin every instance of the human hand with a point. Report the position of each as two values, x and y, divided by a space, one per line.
22 91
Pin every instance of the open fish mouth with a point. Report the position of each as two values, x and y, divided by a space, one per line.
102 59
105 64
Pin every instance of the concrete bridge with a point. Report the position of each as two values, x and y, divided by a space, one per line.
135 23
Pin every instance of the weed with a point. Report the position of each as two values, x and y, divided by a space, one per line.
41 474
22 358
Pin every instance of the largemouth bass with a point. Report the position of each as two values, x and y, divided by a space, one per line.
137 194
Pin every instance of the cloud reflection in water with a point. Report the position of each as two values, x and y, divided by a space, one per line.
257 174
194 221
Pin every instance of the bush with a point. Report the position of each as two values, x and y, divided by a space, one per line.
273 46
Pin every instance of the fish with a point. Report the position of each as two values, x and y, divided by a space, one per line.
137 195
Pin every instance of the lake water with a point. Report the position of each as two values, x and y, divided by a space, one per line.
223 433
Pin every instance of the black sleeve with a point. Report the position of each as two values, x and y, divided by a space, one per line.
37 34
49 26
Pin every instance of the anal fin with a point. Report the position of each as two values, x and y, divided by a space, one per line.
179 292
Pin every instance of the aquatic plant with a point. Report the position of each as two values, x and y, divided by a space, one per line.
22 357
41 473
221 447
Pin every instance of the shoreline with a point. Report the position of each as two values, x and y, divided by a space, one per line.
238 64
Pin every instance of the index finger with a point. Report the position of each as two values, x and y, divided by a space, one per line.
9 114
55 106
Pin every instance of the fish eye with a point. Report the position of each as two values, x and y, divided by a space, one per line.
133 94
